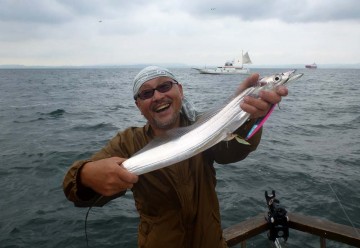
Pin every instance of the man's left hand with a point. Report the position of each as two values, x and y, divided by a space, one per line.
258 107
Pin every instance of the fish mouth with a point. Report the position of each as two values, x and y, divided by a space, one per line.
292 76
296 76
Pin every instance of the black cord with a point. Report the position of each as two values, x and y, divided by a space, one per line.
86 217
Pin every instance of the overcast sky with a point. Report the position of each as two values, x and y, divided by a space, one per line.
192 32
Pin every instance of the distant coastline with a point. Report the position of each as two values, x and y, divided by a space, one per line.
170 65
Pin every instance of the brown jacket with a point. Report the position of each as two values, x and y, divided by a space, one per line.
178 205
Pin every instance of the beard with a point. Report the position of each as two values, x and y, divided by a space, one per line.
166 124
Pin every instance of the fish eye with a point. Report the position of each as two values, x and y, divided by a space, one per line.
277 78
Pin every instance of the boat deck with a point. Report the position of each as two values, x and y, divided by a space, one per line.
313 225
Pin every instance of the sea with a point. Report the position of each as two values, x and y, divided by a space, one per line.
49 118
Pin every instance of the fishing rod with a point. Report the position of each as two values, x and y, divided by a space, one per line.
277 220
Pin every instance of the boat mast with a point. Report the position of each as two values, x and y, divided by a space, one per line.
242 59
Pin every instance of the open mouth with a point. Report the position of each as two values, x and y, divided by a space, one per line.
162 108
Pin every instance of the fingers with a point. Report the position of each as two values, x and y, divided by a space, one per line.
273 96
107 176
120 180
282 90
251 80
258 107
248 82
270 97
117 160
255 107
127 176
123 173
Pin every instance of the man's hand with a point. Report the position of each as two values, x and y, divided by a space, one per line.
258 107
107 176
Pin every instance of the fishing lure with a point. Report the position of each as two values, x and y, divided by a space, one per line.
259 123
271 82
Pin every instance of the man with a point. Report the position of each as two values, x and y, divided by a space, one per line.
178 205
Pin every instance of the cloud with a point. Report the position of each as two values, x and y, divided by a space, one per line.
33 12
52 12
137 31
283 10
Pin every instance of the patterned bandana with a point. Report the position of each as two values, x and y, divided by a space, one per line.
151 72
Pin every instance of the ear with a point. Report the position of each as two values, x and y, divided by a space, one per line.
138 106
181 90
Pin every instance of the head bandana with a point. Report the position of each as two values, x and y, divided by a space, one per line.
152 72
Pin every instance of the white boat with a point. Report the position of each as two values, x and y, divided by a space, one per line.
231 67
312 66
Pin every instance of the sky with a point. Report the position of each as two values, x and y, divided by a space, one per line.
190 32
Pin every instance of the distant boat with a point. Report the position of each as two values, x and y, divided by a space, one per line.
234 67
312 66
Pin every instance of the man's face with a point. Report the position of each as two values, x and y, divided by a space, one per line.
162 110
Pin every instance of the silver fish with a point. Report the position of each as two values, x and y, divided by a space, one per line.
211 128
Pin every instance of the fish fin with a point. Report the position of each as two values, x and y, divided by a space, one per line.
230 136
180 131
238 138
203 117
241 140
157 141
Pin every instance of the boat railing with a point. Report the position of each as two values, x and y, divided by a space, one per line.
239 233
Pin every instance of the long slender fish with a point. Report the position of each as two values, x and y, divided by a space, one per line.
211 128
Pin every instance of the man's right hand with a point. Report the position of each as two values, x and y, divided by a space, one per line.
107 176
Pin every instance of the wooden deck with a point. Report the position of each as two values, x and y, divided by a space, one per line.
316 226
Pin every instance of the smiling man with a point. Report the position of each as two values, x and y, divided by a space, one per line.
178 205
161 112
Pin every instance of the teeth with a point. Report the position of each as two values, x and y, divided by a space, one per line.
162 107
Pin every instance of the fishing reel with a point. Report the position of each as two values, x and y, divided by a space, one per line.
277 218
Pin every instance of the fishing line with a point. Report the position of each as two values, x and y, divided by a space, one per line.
336 196
343 209
337 199
86 217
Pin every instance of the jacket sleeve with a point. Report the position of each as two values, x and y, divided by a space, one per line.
83 196
80 195
232 151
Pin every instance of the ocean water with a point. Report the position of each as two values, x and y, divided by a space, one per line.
309 153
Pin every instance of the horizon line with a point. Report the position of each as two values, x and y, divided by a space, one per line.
175 65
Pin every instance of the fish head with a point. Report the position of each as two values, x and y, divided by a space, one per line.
279 79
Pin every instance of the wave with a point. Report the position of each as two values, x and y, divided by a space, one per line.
39 116
102 126
55 114
29 106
